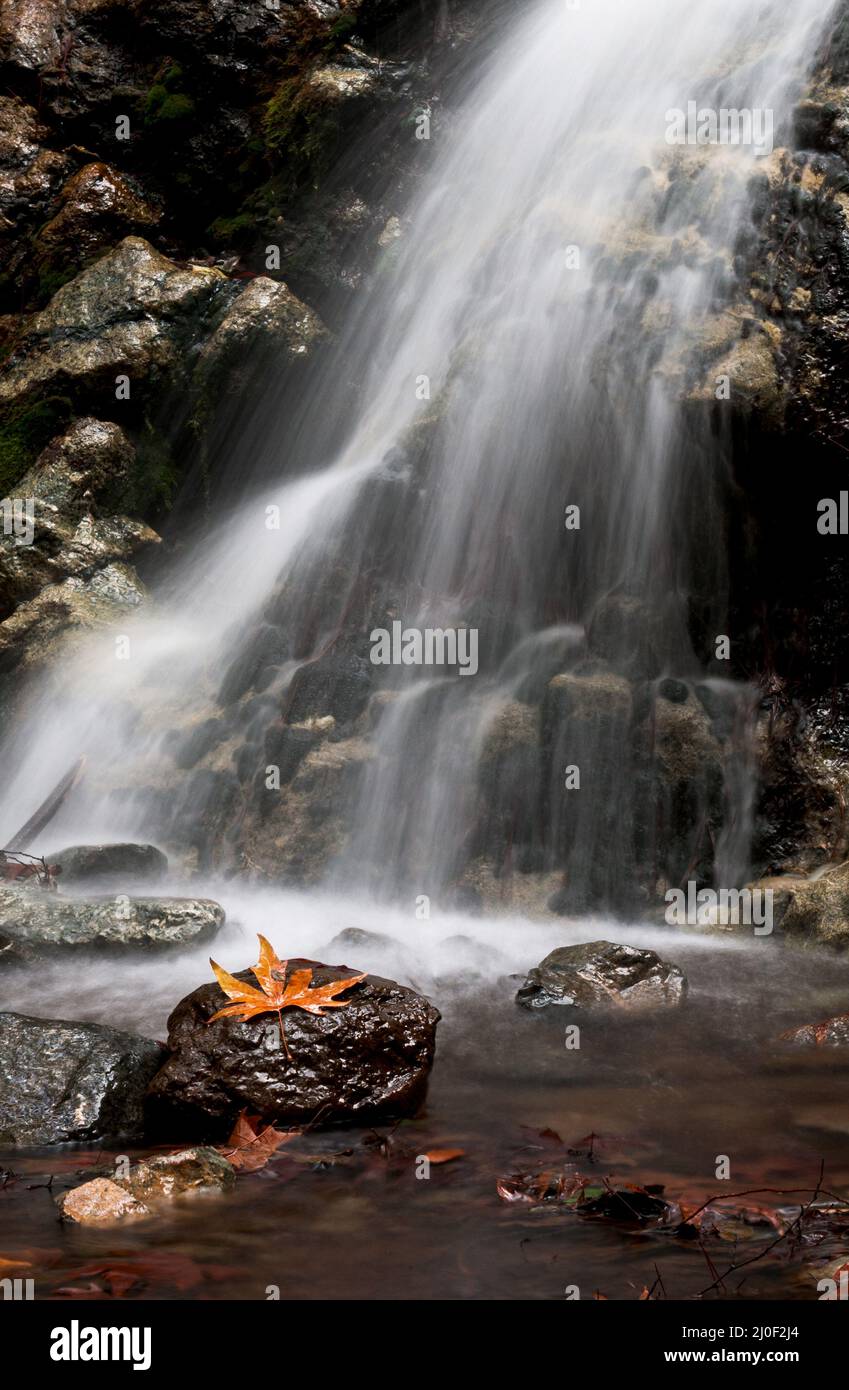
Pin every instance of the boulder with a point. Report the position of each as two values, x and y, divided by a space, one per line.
832 1032
266 316
63 1082
109 863
98 206
810 911
364 1063
75 607
603 974
43 922
128 314
92 461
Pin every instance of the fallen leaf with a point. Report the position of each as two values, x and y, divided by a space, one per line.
249 1149
444 1155
276 992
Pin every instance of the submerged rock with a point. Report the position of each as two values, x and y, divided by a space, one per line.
148 1185
36 922
602 973
109 863
63 1081
832 1032
366 1062
101 1202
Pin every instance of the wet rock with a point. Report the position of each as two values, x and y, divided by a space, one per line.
832 1032
810 911
673 690
196 742
679 790
97 207
63 1081
266 317
63 548
75 607
366 1062
508 778
755 384
603 974
624 631
257 662
128 314
100 1202
31 32
39 922
109 863
586 725
91 462
191 1172
337 684
356 938
30 175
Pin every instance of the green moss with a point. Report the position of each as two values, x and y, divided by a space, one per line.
301 127
238 230
164 101
155 479
50 279
24 432
176 107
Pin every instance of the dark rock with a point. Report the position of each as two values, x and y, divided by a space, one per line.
39 922
367 1062
602 973
256 663
337 684
196 742
832 1032
109 863
355 938
675 691
286 748
62 1081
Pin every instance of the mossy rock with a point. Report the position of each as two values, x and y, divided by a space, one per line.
24 432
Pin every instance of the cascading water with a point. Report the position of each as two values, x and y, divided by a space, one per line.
528 352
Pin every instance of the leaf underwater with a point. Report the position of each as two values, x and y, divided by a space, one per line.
276 993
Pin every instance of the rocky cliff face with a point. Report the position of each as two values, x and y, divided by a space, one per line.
176 208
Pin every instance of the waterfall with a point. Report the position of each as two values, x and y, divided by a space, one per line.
518 461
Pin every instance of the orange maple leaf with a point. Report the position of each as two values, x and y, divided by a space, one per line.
276 993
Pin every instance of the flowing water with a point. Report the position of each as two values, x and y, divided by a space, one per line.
524 355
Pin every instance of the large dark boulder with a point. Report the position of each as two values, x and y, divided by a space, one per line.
602 973
366 1062
62 1082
